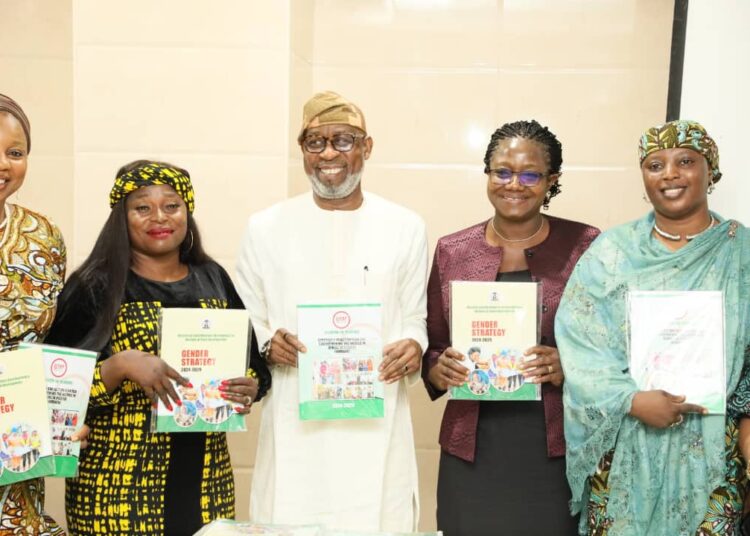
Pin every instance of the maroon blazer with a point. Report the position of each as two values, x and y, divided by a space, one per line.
466 256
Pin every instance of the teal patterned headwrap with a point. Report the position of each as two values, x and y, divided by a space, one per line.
150 174
681 133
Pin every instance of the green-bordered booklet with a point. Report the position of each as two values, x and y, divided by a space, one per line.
229 527
69 373
677 344
206 346
25 439
492 325
338 375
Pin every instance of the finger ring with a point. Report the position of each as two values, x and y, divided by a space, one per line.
549 369
248 400
677 422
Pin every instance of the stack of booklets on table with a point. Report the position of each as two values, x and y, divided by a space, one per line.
44 393
228 527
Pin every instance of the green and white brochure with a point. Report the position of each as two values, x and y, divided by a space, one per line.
206 346
338 375
69 373
25 439
492 325
677 344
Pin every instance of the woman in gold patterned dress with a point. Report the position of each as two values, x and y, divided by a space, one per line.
32 269
148 255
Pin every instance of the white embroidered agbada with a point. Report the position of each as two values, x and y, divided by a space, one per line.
351 474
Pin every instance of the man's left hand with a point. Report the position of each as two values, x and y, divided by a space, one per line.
399 359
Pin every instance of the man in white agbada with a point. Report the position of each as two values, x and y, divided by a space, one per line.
336 243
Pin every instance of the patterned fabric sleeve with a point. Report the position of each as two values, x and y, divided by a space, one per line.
57 237
598 391
738 404
437 327
99 397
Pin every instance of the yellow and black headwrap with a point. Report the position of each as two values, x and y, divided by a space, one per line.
150 174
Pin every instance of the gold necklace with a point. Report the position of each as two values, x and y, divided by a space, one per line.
511 240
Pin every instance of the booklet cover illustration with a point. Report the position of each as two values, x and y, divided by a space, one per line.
492 325
69 373
206 346
25 439
338 375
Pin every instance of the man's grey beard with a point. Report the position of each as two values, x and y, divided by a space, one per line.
341 191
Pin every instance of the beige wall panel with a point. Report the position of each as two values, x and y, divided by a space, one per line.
191 23
598 115
48 189
228 188
401 34
426 417
54 503
601 197
242 479
301 26
585 33
433 116
95 174
180 100
43 86
427 463
300 90
38 28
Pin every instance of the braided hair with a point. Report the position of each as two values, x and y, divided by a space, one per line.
530 130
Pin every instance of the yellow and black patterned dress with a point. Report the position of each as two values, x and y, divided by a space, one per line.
132 481
32 270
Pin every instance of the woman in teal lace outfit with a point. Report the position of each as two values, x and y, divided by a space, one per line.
645 462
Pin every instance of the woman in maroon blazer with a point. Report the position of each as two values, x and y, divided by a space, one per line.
502 469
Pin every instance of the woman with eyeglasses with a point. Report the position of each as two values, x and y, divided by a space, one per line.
527 492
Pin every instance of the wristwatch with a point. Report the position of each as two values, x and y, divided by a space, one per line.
265 350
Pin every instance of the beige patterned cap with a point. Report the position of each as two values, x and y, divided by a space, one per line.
329 108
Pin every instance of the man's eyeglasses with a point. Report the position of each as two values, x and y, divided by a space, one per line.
505 176
343 142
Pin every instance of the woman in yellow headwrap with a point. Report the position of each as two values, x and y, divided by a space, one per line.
148 255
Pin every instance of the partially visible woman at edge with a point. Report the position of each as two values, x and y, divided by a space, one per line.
647 463
32 269
148 255
502 469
